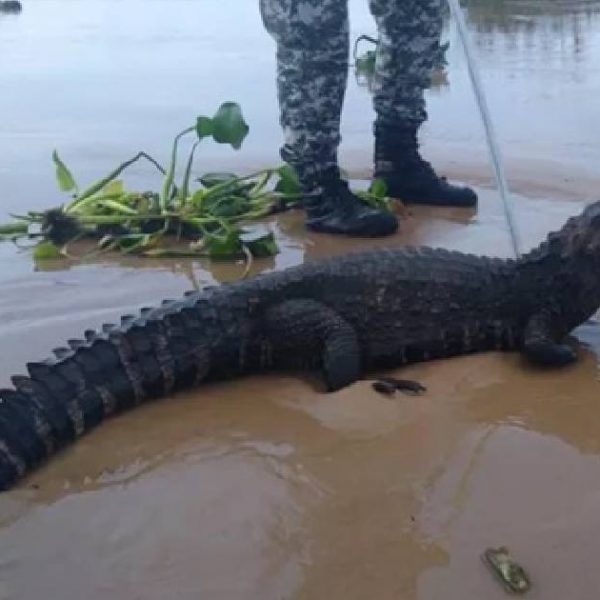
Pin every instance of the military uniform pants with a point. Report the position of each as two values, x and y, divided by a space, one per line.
313 43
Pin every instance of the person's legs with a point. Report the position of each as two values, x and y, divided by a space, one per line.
312 70
409 35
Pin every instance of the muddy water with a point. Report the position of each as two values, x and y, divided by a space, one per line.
265 488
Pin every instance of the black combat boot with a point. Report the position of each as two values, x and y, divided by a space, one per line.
332 208
408 176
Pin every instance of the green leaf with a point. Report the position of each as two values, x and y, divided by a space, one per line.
211 179
116 207
130 241
196 199
258 187
288 183
260 241
65 180
220 185
135 242
204 127
264 247
228 206
378 188
98 185
46 251
13 228
365 64
229 126
113 188
224 246
146 203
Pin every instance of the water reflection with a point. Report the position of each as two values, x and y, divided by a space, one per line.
509 15
535 27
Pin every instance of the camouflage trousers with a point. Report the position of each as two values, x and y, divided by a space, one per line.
312 39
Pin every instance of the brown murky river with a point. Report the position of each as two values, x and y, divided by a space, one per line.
265 488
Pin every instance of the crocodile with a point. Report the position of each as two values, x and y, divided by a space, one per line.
343 316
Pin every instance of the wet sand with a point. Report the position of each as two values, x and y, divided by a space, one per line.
266 488
262 489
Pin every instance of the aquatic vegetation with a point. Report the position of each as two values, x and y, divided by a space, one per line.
364 63
208 216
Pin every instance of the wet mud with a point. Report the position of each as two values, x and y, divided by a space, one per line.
267 488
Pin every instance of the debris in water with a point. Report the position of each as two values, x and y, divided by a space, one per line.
512 575
384 387
389 385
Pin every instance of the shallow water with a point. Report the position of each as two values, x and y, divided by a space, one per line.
265 488
100 80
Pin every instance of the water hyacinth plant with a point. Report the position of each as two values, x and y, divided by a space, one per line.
209 216
364 63
207 213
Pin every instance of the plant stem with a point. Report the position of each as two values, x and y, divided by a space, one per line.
185 185
96 187
117 219
167 187
249 261
220 187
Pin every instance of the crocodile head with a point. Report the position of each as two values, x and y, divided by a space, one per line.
580 237
570 261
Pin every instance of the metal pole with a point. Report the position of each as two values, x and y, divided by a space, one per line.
493 148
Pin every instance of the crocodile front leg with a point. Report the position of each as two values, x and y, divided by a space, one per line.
309 333
541 342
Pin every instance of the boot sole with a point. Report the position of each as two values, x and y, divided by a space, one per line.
427 202
412 197
365 233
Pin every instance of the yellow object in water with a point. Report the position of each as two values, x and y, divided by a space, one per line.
510 573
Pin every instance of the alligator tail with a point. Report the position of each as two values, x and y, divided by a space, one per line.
147 356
